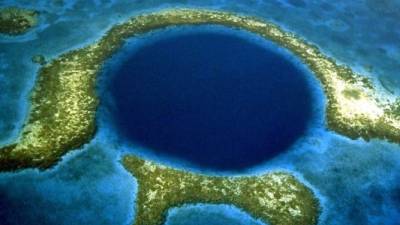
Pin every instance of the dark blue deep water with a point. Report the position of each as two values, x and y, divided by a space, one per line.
214 99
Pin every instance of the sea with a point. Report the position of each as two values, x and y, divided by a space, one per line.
215 84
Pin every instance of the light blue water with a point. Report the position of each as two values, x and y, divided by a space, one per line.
358 181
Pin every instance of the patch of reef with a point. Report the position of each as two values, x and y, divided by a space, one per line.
17 21
276 198
39 59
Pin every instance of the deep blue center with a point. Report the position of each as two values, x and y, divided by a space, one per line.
216 100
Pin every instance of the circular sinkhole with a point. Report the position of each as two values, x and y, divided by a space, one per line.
214 99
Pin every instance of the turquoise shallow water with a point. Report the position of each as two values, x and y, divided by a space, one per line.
357 181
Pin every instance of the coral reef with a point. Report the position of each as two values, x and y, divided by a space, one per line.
39 59
62 116
16 21
276 198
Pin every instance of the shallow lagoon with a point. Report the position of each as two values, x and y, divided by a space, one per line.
212 97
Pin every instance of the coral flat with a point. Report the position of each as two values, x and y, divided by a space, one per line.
276 198
16 21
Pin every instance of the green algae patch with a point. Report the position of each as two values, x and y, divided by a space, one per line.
64 102
276 198
16 21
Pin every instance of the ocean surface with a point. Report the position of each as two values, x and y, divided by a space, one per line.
356 181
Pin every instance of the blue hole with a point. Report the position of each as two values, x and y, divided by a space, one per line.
214 99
